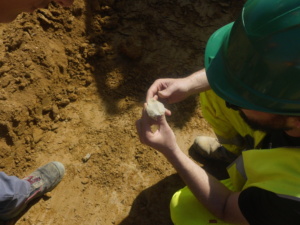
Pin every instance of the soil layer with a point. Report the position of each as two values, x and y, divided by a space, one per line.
73 83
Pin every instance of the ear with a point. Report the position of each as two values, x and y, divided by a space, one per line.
295 121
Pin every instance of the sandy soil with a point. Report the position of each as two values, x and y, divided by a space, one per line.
73 82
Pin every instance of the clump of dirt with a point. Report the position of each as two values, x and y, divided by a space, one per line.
73 82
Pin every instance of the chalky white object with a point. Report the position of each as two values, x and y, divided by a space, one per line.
155 108
86 157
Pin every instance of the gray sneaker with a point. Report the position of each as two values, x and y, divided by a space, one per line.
210 148
42 180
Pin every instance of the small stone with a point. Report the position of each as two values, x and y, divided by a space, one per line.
37 135
155 109
63 102
54 126
47 108
3 96
27 63
73 97
86 157
85 181
48 195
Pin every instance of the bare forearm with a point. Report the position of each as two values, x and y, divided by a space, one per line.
208 190
198 82
214 195
217 198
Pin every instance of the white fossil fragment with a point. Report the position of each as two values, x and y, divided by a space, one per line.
155 108
86 157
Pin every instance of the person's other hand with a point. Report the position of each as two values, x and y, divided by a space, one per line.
169 90
163 139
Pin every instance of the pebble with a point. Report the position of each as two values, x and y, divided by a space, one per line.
155 108
85 181
86 157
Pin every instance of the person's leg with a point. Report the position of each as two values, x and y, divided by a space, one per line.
210 147
15 193
232 134
187 210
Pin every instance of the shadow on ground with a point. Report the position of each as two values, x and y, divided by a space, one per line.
152 205
214 167
16 219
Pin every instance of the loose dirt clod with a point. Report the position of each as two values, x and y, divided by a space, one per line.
48 195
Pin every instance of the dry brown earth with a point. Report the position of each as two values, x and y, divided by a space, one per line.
72 83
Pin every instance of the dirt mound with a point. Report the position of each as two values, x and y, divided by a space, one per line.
73 83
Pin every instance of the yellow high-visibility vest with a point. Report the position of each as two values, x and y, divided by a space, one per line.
233 133
276 170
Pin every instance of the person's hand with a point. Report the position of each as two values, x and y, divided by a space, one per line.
175 90
163 139
169 90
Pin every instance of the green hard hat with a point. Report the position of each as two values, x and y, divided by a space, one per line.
254 62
